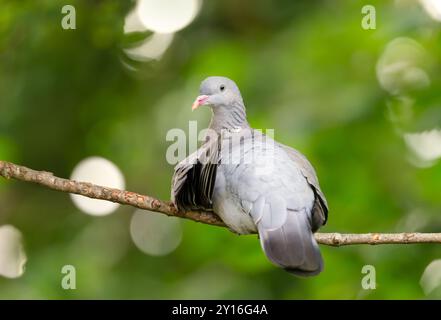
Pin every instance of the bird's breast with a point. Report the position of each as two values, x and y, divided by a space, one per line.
229 207
249 169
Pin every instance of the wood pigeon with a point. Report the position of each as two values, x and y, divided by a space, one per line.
253 183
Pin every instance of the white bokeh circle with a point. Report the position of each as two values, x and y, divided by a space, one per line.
154 233
402 66
101 172
12 255
425 145
431 278
151 48
433 8
167 16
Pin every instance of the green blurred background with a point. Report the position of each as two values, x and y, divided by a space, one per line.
363 105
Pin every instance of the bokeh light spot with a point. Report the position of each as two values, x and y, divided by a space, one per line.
154 233
12 254
426 146
151 48
167 16
433 8
401 67
98 171
431 278
132 23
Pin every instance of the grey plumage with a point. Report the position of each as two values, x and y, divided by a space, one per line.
253 183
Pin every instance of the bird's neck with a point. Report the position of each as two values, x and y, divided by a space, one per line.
228 117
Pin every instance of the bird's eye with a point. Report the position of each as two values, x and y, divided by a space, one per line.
222 87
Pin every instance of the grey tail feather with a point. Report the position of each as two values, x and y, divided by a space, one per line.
293 246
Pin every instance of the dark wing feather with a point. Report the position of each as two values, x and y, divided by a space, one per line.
194 178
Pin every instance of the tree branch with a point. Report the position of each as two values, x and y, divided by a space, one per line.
10 170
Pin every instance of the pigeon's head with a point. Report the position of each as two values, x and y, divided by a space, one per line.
218 92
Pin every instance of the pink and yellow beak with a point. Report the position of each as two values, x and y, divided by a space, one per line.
200 101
